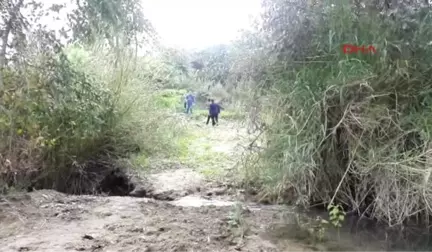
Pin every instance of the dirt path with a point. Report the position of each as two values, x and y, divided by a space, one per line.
198 215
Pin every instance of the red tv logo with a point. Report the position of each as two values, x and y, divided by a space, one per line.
349 49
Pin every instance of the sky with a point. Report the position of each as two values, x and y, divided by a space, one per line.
188 24
196 24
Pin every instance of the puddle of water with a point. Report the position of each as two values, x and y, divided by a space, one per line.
196 201
340 240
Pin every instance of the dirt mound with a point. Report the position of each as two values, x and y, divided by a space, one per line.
51 221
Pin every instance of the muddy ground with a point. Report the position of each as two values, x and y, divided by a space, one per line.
185 211
202 221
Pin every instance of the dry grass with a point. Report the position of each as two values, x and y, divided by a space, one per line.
350 129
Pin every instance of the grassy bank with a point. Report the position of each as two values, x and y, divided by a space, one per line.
202 147
350 129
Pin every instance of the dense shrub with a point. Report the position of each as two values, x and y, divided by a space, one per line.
353 129
69 117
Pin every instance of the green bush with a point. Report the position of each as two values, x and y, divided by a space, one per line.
349 128
70 116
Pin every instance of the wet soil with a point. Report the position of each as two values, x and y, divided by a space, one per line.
178 209
206 219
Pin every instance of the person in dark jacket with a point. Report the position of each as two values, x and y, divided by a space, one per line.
214 111
209 101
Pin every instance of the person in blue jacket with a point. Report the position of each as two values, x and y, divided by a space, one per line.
189 102
214 111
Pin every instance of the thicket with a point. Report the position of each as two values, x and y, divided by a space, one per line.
72 111
351 129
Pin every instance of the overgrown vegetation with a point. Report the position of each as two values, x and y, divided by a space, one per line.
71 112
335 129
350 129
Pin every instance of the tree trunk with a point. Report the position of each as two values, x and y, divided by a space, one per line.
5 37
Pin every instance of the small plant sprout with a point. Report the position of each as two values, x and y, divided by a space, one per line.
337 215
